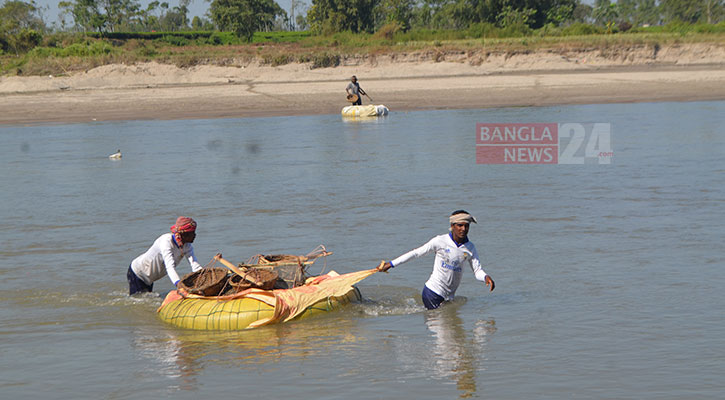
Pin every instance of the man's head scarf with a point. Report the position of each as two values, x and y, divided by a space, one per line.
462 217
182 225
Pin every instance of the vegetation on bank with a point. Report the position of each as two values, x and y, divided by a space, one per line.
78 52
28 47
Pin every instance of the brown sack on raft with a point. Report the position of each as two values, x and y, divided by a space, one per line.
205 282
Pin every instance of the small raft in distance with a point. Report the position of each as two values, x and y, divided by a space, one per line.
369 110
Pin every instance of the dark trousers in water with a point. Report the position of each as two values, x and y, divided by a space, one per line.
431 299
135 284
358 102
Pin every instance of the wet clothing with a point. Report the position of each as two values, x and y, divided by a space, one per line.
448 265
136 285
431 300
161 259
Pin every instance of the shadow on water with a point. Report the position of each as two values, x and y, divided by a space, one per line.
456 353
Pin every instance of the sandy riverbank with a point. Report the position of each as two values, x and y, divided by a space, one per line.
402 82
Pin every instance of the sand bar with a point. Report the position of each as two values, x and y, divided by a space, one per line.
156 91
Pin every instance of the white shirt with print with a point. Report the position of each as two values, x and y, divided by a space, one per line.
448 264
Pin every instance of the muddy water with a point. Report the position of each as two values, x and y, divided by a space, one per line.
609 277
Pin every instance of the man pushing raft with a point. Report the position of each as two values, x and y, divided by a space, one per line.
163 256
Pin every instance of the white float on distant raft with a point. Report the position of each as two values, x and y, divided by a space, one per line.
370 110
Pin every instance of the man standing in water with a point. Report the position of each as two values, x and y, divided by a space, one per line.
163 256
353 88
452 250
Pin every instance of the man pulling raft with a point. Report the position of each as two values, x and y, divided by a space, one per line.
452 250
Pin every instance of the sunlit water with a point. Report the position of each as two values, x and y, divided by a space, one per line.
609 277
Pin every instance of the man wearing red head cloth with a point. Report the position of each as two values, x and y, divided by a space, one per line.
163 256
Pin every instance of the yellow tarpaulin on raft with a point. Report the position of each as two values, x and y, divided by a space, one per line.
292 302
215 312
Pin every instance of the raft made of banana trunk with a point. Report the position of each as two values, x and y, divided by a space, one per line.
253 308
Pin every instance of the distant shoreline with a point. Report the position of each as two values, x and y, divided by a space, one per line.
152 91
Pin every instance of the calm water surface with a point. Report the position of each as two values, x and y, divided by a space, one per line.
609 277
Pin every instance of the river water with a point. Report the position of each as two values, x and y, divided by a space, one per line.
609 277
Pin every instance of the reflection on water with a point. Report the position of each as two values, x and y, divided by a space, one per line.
165 356
457 356
363 120
181 355
73 220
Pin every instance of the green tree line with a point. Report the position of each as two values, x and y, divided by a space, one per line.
22 24
329 16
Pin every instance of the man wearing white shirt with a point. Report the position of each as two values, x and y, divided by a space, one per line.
353 88
452 251
163 256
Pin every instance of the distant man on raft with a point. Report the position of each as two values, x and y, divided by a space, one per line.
452 251
353 89
163 256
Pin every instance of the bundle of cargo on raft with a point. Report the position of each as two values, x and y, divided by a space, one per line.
264 290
